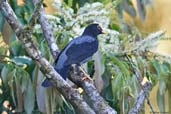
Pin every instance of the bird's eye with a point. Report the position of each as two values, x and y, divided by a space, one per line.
99 28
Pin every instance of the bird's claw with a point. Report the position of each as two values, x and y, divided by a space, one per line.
86 76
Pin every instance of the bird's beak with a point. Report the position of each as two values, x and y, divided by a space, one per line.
104 32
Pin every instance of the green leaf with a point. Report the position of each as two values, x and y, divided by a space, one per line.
7 73
156 66
67 110
162 85
12 74
18 89
108 93
29 98
40 91
15 47
21 60
121 65
45 49
4 73
161 101
2 21
117 85
12 37
13 4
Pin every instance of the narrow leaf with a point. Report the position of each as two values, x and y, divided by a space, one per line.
40 91
2 21
160 101
29 98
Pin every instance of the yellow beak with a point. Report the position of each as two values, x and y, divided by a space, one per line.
104 32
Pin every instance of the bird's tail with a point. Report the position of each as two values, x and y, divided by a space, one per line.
63 72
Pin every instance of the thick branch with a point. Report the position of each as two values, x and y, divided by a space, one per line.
140 99
97 102
24 36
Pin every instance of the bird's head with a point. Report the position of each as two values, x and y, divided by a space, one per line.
93 30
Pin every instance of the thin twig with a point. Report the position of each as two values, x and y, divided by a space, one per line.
135 70
35 13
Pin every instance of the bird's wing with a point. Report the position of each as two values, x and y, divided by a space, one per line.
80 50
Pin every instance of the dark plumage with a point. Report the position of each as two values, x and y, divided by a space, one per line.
77 51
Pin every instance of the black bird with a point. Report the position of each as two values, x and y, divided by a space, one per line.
77 51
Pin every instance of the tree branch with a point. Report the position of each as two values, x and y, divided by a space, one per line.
140 99
35 13
24 35
138 76
97 102
47 31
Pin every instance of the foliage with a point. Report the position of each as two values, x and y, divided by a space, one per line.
21 77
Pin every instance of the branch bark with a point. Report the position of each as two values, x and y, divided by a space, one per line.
140 99
138 76
24 35
35 13
47 31
99 105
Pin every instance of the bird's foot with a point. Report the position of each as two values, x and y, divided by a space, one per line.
86 76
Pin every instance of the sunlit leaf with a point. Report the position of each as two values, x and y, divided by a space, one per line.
21 60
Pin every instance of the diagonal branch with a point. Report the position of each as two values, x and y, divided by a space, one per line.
47 30
97 102
138 76
35 13
24 35
140 99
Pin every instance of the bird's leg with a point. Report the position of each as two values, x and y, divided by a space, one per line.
86 76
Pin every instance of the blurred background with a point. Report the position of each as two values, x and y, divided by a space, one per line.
140 28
